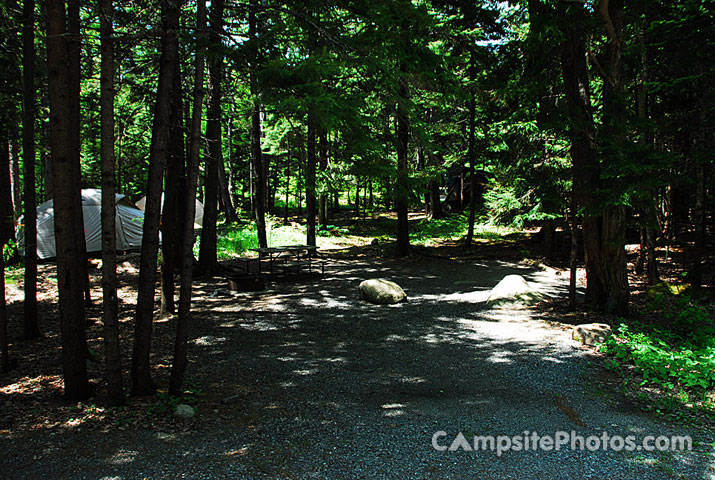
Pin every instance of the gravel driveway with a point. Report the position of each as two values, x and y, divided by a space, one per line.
307 382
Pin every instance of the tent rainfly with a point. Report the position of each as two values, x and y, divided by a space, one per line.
198 215
130 223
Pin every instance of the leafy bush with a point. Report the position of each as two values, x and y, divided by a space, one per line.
681 356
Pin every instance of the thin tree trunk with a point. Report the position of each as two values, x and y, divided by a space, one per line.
322 196
4 348
651 257
6 234
640 261
267 159
67 204
30 322
472 154
232 167
178 367
259 186
287 175
173 214
696 274
208 249
402 187
214 141
45 160
15 175
142 383
229 209
573 260
310 201
112 353
74 70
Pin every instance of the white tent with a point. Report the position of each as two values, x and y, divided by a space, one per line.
130 223
198 216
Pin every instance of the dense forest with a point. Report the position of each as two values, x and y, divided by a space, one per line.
571 116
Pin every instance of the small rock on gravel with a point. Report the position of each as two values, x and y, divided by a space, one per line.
184 411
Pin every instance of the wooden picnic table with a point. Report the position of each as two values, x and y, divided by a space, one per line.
289 255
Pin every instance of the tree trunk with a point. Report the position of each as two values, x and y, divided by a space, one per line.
612 241
15 175
229 208
402 187
208 249
67 203
259 193
215 146
583 154
74 45
45 160
173 214
178 367
30 322
142 383
112 353
472 154
287 175
573 259
4 348
696 271
651 258
322 196
311 161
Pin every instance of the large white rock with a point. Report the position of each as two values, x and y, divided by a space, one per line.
381 291
513 290
591 333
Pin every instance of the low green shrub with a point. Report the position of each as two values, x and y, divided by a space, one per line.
681 355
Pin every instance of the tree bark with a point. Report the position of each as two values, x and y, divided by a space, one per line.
612 241
229 207
173 214
573 258
208 250
30 322
4 347
585 167
286 173
178 367
323 166
142 383
112 353
67 203
402 187
74 47
259 188
311 162
472 154
696 271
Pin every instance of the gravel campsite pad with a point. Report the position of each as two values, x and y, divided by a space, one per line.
304 380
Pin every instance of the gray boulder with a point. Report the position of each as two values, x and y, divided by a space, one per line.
591 333
381 291
184 411
513 290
